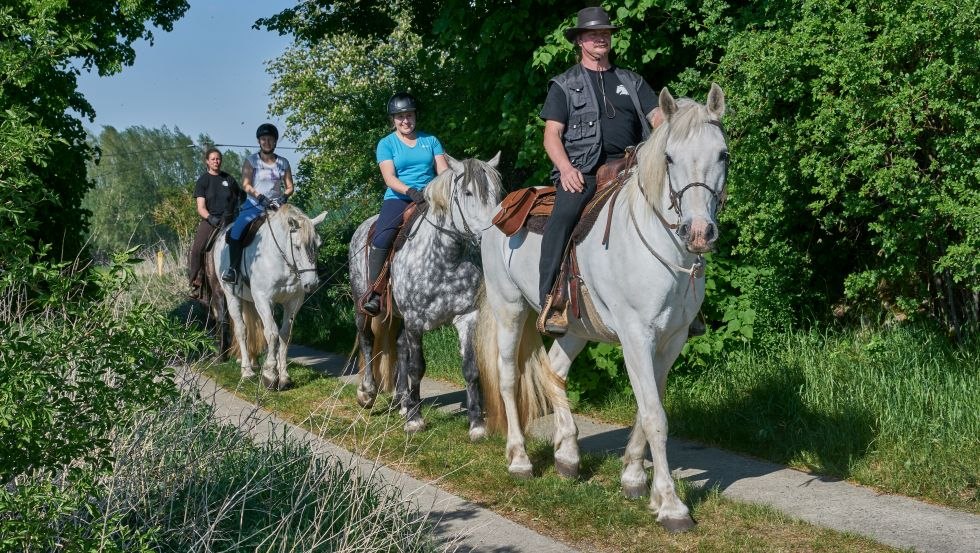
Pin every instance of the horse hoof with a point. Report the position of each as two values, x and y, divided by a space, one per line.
635 492
477 433
269 383
403 411
248 374
566 470
523 472
414 426
677 525
365 399
285 384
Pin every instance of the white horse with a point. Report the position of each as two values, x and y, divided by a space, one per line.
279 267
644 287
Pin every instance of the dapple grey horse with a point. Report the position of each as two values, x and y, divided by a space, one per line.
644 287
435 280
280 266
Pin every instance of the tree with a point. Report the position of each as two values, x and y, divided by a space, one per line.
41 184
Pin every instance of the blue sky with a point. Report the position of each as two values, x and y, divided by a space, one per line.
206 76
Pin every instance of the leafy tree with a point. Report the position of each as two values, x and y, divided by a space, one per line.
38 93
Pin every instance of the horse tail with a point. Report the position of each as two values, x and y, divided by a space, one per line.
385 350
537 388
254 336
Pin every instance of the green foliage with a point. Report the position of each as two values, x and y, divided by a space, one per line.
76 365
141 177
39 40
854 126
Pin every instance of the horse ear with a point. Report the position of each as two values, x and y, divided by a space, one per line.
496 160
319 218
716 101
454 164
667 104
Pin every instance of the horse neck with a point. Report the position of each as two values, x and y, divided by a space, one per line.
445 245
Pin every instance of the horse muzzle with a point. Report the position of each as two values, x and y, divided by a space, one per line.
699 234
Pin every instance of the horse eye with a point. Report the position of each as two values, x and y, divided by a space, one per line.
723 156
669 159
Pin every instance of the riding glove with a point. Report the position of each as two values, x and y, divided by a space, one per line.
416 195
214 221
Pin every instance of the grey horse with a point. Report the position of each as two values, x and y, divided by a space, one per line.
436 279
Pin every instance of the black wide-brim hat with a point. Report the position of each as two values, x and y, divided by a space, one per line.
590 19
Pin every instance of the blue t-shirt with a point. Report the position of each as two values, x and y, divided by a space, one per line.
414 166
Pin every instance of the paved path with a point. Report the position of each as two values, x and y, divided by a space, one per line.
890 519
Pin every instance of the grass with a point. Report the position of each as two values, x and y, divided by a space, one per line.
589 513
897 409
201 485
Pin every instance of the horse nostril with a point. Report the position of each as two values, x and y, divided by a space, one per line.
684 230
711 233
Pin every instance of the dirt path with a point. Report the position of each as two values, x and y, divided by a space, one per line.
890 519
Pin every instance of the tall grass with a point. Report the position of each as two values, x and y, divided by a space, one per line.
204 486
895 408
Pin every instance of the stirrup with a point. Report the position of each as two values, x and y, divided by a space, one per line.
373 305
230 276
553 319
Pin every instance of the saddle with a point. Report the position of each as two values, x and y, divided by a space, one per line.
530 207
381 286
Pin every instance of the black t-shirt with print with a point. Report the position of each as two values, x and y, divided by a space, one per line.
221 192
621 130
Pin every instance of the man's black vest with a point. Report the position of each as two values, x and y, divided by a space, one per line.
583 133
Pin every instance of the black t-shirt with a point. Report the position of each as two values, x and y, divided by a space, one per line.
621 130
221 192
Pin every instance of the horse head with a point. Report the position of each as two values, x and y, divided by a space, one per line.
298 243
466 196
692 166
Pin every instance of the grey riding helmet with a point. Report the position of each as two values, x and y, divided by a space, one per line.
400 103
267 129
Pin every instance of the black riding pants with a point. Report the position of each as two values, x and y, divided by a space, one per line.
568 208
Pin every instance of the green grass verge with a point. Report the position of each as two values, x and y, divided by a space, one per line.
897 409
590 513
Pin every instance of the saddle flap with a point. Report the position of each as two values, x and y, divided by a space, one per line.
521 204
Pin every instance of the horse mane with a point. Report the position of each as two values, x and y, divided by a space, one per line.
487 187
651 173
305 232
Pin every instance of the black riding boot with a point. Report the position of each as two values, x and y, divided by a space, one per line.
235 255
376 261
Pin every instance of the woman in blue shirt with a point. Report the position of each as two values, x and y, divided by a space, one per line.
408 159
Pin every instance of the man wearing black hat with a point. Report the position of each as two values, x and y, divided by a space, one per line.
593 112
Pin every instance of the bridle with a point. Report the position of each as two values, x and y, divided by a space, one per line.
291 263
466 234
677 195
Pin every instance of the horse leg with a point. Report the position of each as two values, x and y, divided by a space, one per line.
367 389
414 371
270 368
567 459
509 329
634 477
289 310
466 328
235 311
402 361
647 368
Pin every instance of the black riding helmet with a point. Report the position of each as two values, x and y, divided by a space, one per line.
267 129
400 103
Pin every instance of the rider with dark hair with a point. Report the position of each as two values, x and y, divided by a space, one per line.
408 159
268 182
217 195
